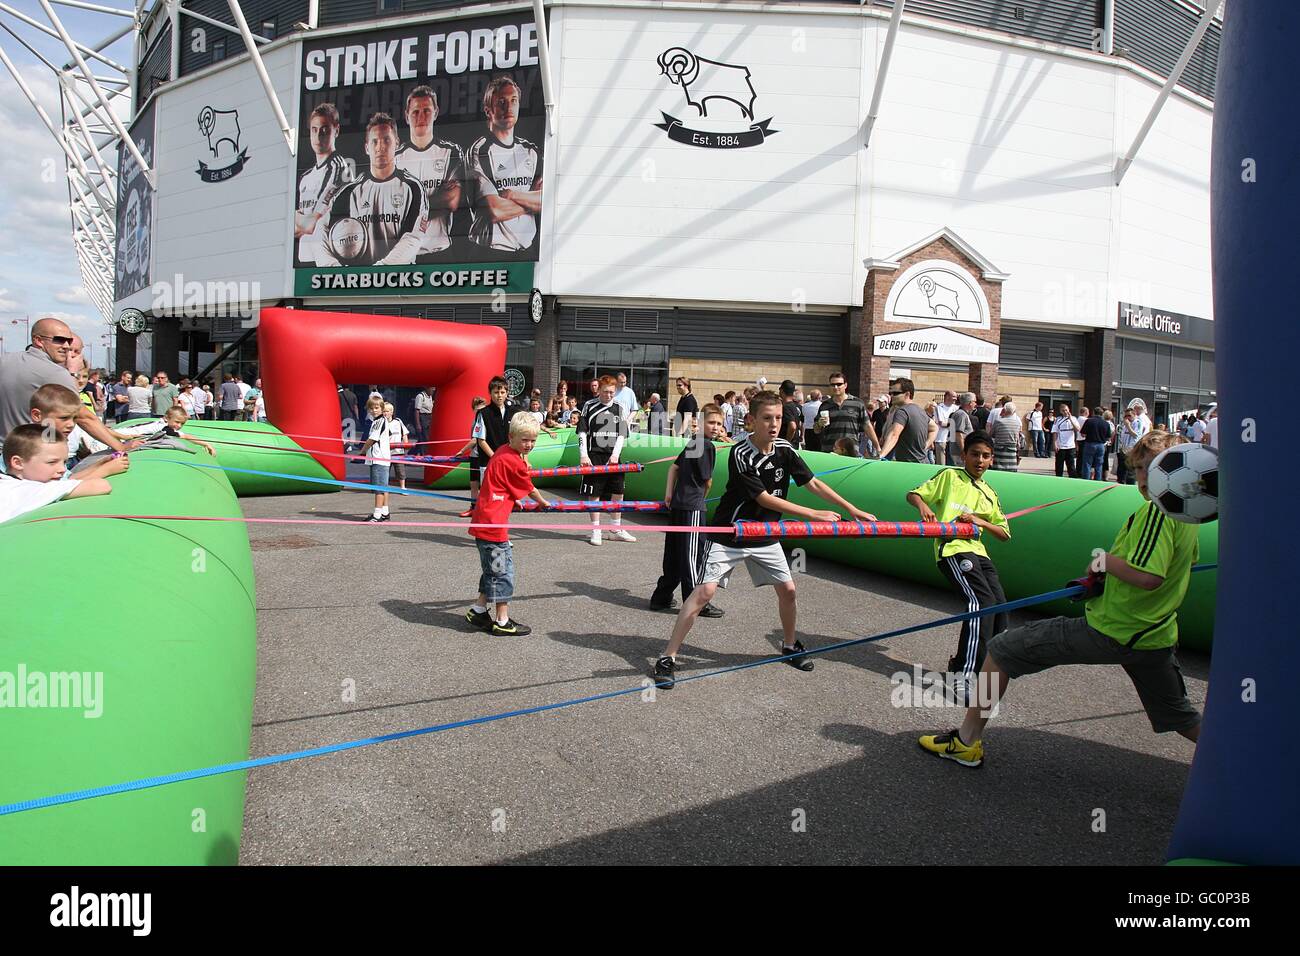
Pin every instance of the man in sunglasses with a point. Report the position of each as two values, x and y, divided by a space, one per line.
44 363
843 416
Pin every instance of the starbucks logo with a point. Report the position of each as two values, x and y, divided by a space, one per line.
515 380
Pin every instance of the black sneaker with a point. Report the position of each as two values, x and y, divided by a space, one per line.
710 611
664 668
384 518
375 519
480 619
510 628
792 657
670 606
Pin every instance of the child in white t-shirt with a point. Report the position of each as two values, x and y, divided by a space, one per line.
379 449
397 433
35 465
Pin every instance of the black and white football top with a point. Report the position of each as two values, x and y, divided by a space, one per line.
316 190
494 167
750 473
434 165
604 427
392 210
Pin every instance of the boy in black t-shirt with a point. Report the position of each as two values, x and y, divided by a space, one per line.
686 492
791 415
603 427
758 479
491 431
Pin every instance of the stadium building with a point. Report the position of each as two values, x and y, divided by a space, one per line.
993 196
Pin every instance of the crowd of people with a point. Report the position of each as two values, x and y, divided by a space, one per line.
68 421
57 445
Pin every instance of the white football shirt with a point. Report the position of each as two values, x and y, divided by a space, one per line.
494 167
438 163
389 209
316 189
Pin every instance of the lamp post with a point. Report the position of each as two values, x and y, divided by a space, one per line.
27 323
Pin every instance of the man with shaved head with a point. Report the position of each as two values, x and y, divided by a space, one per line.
44 362
76 360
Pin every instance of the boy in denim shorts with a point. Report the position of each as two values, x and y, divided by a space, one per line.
505 481
1132 622
379 450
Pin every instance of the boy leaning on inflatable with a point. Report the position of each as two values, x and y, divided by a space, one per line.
1132 621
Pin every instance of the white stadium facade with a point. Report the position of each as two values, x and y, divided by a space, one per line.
1010 196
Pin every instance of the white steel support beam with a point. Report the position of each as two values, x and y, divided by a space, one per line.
239 17
290 134
94 54
113 37
40 111
882 71
116 123
94 230
174 25
69 88
544 50
97 8
1175 75
313 13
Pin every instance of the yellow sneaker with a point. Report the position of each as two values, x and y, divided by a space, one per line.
949 746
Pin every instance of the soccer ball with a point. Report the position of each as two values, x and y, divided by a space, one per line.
349 241
1183 481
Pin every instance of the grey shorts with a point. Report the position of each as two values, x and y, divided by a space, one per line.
766 564
1155 674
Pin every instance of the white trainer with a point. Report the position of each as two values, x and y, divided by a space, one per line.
621 535
595 538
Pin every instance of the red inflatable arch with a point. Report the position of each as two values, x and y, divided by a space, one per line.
304 355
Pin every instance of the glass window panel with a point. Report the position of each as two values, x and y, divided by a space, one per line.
656 355
608 356
578 354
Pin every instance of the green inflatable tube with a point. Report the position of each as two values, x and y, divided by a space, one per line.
168 638
1048 548
234 442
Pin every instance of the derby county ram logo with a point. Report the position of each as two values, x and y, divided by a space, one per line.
221 129
722 95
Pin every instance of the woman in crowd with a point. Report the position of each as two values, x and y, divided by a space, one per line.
1007 433
932 413
140 399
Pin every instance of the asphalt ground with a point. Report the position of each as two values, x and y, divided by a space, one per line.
766 765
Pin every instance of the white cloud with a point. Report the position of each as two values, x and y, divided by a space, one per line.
73 295
37 255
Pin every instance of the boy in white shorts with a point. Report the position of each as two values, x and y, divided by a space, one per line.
758 480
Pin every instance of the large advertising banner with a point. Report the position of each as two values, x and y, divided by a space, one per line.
420 164
134 210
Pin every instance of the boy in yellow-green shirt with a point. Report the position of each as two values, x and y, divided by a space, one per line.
1133 622
961 494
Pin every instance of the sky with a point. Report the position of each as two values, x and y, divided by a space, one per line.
39 274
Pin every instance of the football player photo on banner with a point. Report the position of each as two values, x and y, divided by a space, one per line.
421 163
134 210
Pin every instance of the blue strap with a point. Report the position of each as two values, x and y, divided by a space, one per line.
146 783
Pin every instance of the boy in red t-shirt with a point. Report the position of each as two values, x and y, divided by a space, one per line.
505 481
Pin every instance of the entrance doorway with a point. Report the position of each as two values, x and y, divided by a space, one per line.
1051 399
